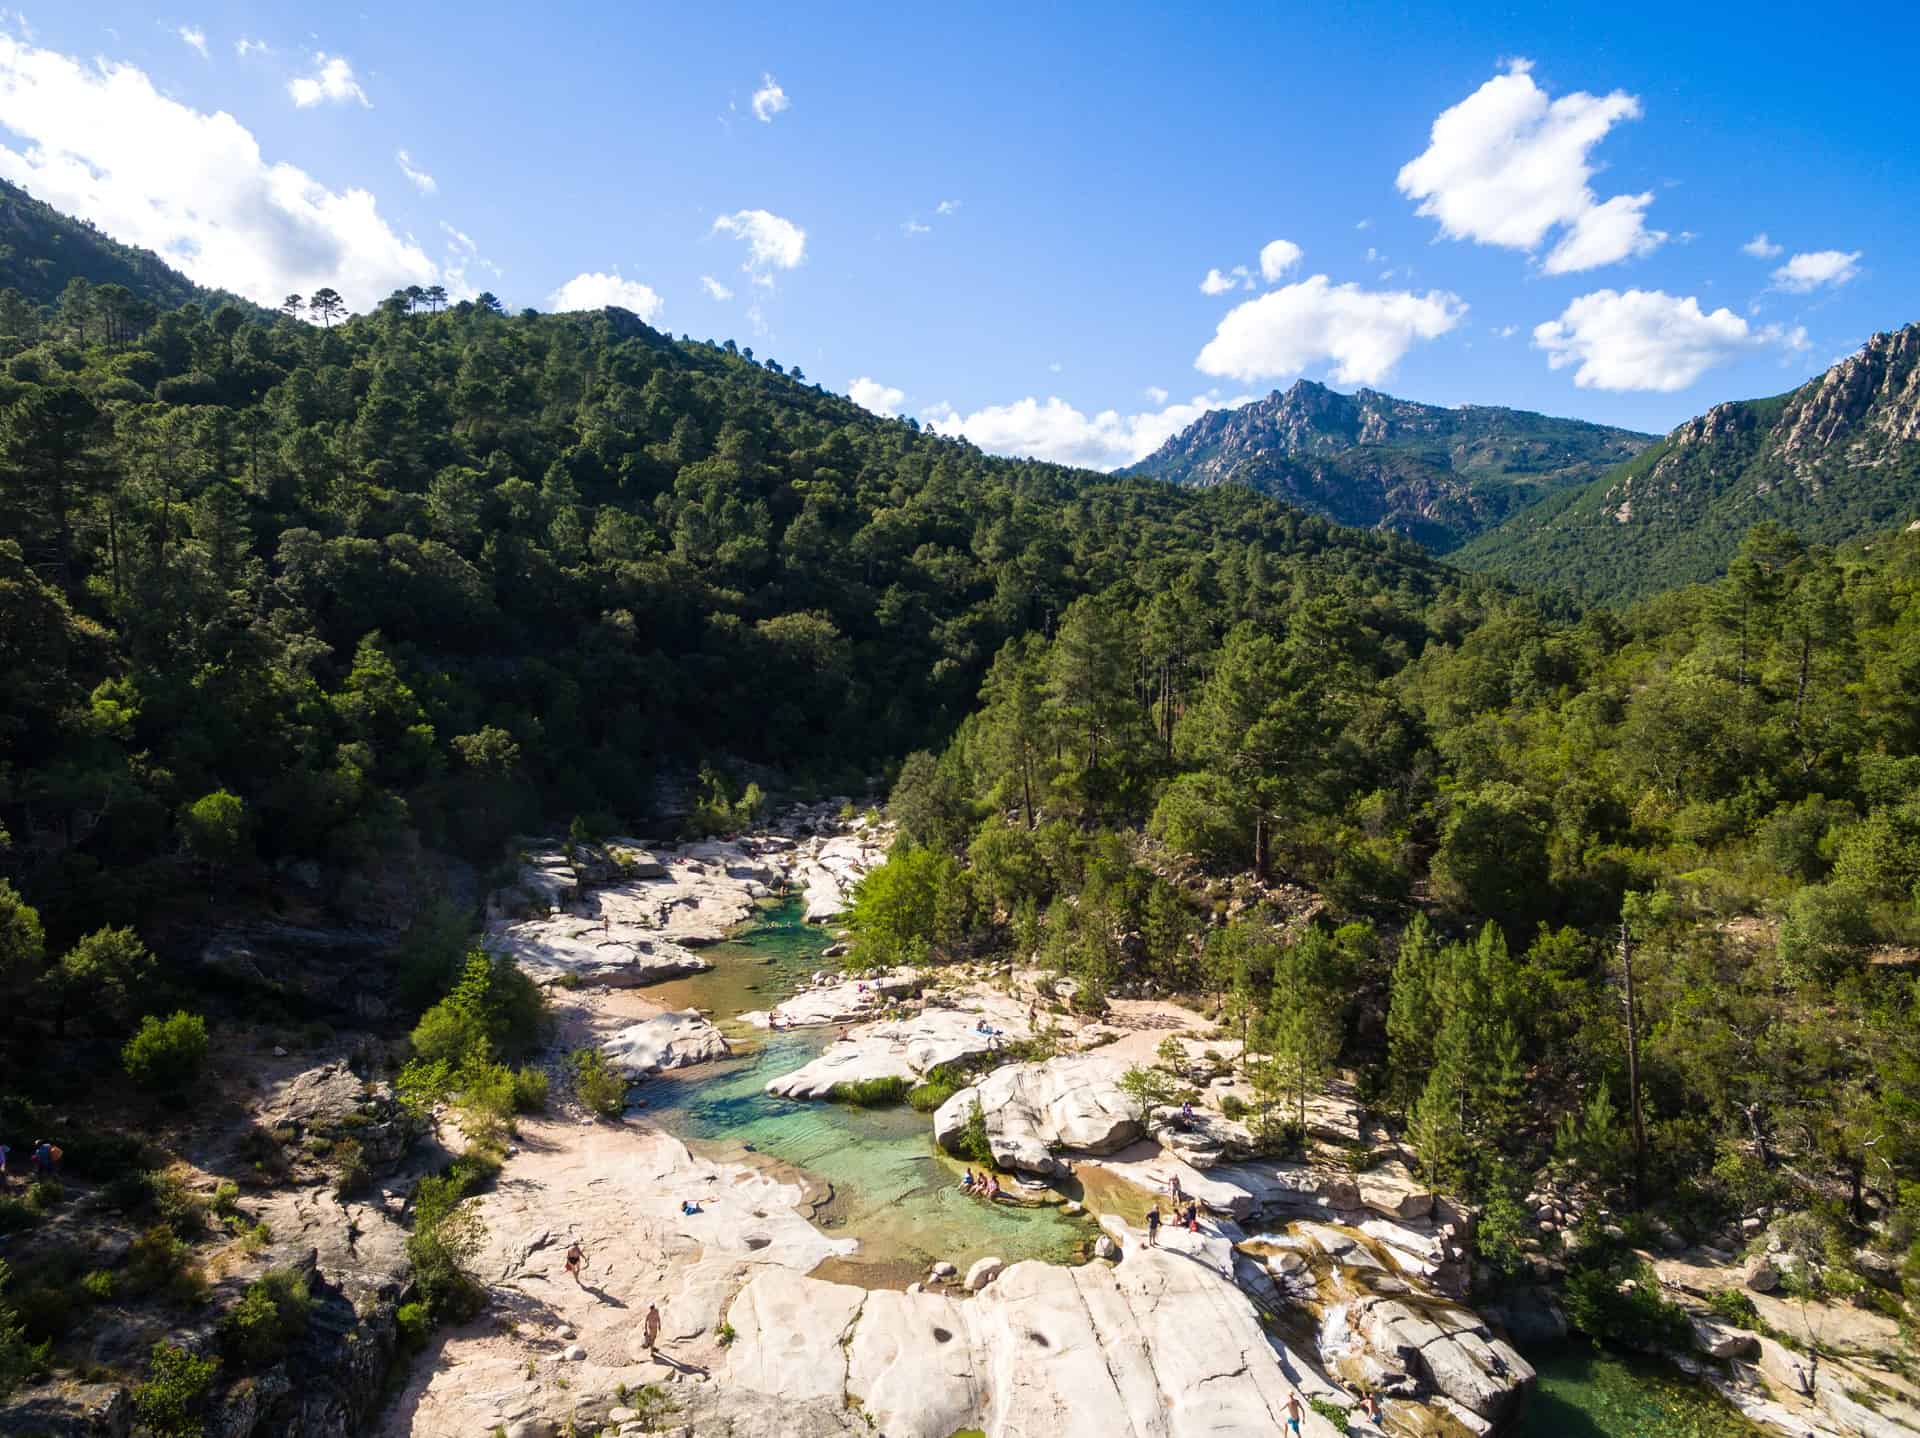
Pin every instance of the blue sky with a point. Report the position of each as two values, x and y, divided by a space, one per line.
1005 222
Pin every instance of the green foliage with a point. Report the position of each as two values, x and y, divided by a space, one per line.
214 828
447 1236
160 1262
1621 1304
600 1087
975 1142
167 1054
1337 1417
1734 1306
20 1357
22 940
936 1086
529 1090
170 1400
269 1319
916 902
872 1093
1825 932
1146 1089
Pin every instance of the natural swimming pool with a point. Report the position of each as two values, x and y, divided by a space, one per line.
891 1187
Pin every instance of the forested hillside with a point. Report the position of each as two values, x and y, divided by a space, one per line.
1835 459
427 577
43 251
1436 475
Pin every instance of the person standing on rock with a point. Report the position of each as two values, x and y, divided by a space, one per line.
575 1258
650 1334
1153 1226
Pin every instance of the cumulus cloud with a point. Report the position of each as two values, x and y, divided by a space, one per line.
97 140
422 181
1804 273
1155 394
1760 247
595 291
1643 340
331 83
947 207
883 399
1364 333
243 47
715 290
773 243
195 37
1052 429
1507 166
769 100
1277 257
1217 283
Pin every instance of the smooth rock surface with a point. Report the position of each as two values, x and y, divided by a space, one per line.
1031 1109
667 1041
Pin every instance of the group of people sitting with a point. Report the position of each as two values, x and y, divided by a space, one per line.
986 1185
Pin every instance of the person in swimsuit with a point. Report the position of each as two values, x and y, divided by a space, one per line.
575 1258
1293 1414
1153 1226
651 1333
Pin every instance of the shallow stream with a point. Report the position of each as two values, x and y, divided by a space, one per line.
1586 1392
890 1187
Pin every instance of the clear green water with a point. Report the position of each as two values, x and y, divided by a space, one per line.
890 1187
1587 1393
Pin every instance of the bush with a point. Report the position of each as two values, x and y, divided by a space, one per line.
1622 1305
1732 1305
98 1284
350 1172
414 1323
446 1238
46 1311
178 1206
169 1401
600 1087
529 1090
269 1318
19 1359
17 1214
975 1142
939 1084
1234 1107
167 1054
157 1261
871 1093
215 828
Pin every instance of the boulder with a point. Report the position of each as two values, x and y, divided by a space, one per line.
582 950
1762 1276
838 1001
667 1041
64 1409
983 1272
1033 1109
1390 1189
1532 1317
1784 1369
904 1049
1718 1340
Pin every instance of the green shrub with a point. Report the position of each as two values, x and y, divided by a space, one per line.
17 1214
226 1197
937 1086
269 1318
1733 1306
1234 1107
215 828
159 1262
975 1142
167 1054
414 1323
529 1090
20 1359
98 1284
350 1172
1623 1305
600 1087
46 1311
170 1400
871 1093
1826 932
178 1206
1336 1416
46 1193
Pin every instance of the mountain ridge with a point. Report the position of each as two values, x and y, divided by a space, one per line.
1832 459
1373 461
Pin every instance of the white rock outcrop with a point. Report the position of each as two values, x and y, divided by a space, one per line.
567 947
1034 1109
667 1041
904 1048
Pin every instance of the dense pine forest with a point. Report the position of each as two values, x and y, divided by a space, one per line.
294 602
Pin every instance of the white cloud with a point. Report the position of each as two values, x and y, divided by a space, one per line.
1052 429
422 181
715 290
1808 272
1506 332
244 47
460 239
1215 283
883 399
769 100
194 36
1363 332
97 140
1507 165
1364 225
1155 394
1643 340
595 291
947 207
332 82
1277 257
911 227
773 243
1760 247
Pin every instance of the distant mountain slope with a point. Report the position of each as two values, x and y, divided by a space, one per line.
1369 460
41 249
1838 457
